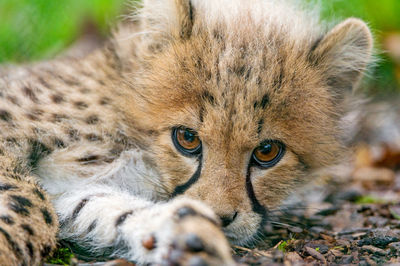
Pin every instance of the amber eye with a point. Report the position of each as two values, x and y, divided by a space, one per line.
268 153
186 141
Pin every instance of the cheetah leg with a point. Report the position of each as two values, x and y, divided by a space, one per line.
178 232
28 223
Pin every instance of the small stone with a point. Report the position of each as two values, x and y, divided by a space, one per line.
315 254
346 259
395 247
149 243
328 211
381 241
293 257
375 251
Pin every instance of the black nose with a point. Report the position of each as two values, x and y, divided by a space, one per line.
227 220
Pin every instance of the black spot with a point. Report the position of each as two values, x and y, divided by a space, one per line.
59 143
89 159
79 207
92 120
28 229
278 82
38 151
21 200
122 218
5 115
32 117
14 246
201 115
39 193
81 105
264 101
105 101
92 226
57 98
44 83
85 90
5 187
47 216
30 93
93 137
30 249
207 96
260 125
45 251
20 209
73 134
59 117
13 99
7 219
20 205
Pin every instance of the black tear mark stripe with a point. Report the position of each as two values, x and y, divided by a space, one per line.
121 219
182 188
256 206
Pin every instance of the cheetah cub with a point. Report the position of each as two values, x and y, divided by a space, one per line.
178 136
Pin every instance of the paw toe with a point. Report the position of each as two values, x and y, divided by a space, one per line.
185 211
194 243
197 261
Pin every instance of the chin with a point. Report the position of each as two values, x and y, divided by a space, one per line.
245 231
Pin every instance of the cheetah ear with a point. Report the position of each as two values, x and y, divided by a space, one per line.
164 21
343 54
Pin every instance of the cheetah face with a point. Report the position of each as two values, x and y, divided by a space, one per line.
245 111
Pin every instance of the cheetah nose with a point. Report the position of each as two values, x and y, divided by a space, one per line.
228 219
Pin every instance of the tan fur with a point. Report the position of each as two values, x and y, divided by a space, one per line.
237 78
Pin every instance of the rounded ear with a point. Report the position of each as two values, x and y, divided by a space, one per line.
163 21
343 54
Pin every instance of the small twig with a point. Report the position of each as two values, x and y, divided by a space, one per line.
255 252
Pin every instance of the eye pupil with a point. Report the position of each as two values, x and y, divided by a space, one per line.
189 136
266 149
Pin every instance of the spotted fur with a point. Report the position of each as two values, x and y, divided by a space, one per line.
86 142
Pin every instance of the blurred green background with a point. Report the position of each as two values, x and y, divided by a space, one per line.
37 29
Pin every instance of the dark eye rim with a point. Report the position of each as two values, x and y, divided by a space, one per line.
273 162
187 152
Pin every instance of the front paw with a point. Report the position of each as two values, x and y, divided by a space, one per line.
195 238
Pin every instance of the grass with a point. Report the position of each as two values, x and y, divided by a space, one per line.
37 29
62 256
